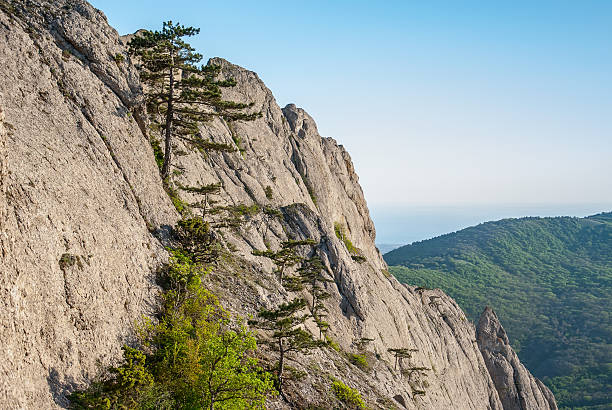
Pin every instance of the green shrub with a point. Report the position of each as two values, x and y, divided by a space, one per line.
355 252
244 210
157 152
331 343
359 360
341 234
268 192
119 58
350 397
311 192
181 206
272 212
66 54
195 356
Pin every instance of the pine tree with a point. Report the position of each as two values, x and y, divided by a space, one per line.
184 94
287 256
287 335
198 240
206 204
312 275
401 354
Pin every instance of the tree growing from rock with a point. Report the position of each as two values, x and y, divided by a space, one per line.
312 276
207 203
287 256
286 334
179 91
194 356
400 354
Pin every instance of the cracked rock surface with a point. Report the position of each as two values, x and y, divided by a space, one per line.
82 203
517 388
80 192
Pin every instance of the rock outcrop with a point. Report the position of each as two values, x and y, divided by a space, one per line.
83 209
518 389
80 193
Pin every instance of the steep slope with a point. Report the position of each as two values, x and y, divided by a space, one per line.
80 192
83 210
550 281
314 185
516 386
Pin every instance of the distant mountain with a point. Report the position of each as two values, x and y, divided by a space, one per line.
88 228
550 282
387 247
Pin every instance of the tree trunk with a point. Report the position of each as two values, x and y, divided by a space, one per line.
169 116
314 296
281 365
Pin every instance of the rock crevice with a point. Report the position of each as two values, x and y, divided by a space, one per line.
79 182
518 389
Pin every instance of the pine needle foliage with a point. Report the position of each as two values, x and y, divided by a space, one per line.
400 354
287 256
313 276
181 92
286 333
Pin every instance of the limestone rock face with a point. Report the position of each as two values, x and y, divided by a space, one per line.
82 207
313 182
80 192
517 388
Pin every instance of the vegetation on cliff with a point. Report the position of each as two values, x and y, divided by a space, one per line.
182 94
194 354
549 280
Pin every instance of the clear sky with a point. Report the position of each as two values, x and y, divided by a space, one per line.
439 102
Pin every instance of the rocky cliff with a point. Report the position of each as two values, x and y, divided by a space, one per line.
83 211
517 388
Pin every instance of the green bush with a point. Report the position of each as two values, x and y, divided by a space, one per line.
195 356
181 206
157 152
355 252
350 397
331 343
268 192
359 360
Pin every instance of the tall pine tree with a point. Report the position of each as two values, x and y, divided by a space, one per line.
286 334
181 92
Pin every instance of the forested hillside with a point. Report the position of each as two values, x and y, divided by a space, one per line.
550 282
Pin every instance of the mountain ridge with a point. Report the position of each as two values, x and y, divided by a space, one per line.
549 279
85 218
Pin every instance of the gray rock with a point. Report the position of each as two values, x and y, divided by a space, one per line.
81 194
517 388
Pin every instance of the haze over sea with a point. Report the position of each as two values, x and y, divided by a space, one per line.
401 225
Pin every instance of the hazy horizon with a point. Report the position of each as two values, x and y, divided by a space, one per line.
402 225
452 102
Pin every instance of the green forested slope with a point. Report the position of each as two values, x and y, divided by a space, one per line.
550 282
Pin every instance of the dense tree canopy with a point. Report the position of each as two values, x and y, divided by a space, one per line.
549 280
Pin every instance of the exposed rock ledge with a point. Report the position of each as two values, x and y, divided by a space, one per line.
80 195
517 388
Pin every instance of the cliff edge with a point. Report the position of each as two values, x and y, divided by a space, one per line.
83 210
517 388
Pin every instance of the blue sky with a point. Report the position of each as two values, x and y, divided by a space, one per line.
440 103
